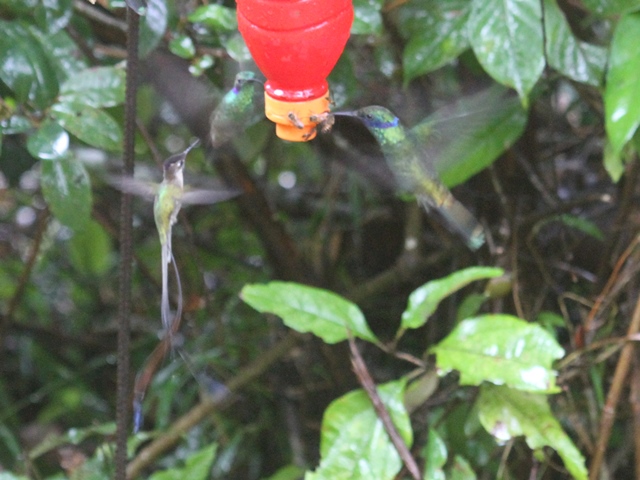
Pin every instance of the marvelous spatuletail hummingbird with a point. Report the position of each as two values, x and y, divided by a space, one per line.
415 173
168 198
240 107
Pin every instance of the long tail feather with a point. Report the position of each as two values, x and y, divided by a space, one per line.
144 377
458 219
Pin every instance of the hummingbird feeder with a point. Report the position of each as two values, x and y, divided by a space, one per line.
296 44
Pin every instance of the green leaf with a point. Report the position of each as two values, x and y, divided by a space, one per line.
96 87
582 224
50 142
11 476
217 17
506 36
53 15
182 46
425 300
24 66
309 309
500 349
440 38
198 466
73 436
66 188
354 443
613 162
237 49
89 124
435 456
366 17
621 99
15 124
612 7
152 26
470 136
460 470
507 413
289 472
90 250
577 60
63 53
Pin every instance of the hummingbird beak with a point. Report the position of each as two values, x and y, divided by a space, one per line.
345 114
195 143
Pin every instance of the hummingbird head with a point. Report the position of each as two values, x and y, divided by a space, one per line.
242 78
174 165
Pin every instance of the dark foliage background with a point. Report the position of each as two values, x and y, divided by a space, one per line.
558 205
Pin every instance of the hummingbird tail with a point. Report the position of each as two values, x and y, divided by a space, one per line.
165 309
458 219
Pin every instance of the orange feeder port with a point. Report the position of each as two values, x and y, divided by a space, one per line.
296 44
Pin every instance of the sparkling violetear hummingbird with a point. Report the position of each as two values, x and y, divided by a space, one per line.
169 196
415 173
241 107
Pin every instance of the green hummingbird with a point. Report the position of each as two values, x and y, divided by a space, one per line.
241 107
415 172
168 198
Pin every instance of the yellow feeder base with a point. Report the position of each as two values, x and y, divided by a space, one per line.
293 119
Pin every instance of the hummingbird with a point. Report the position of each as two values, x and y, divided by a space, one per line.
415 173
241 107
168 198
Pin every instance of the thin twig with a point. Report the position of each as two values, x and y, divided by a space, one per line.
14 301
361 371
209 404
611 281
126 251
617 384
635 408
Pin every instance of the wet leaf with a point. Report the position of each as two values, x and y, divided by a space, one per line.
612 7
425 299
440 37
63 53
152 26
182 46
67 191
577 60
469 137
53 15
503 350
506 36
366 17
507 413
218 17
24 66
96 87
50 142
354 443
310 309
435 456
89 124
621 99
198 466
15 124
90 250
460 470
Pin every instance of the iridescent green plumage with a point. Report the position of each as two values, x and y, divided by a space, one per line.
241 107
415 173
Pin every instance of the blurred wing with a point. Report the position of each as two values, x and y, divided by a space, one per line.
204 197
146 190
138 6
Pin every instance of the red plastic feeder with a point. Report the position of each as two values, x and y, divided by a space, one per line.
296 44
